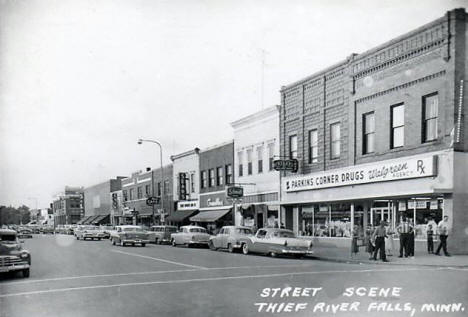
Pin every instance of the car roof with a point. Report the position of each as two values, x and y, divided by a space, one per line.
7 231
192 227
275 229
130 226
237 227
162 226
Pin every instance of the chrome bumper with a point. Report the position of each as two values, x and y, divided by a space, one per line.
14 267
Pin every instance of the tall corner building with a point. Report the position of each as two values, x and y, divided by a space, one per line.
379 136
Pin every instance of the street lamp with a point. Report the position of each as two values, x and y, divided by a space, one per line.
140 141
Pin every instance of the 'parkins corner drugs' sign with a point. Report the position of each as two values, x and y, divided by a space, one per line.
380 172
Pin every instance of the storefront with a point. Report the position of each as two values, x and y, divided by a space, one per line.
180 217
215 211
330 205
260 215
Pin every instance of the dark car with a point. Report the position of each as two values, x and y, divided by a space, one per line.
12 255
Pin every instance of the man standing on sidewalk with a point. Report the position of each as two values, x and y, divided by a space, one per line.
443 228
380 234
404 229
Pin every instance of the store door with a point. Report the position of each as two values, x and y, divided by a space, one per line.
382 213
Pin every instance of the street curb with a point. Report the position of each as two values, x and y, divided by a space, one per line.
352 261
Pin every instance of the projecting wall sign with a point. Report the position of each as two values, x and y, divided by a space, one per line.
384 171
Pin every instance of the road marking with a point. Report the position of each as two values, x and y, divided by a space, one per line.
209 279
158 259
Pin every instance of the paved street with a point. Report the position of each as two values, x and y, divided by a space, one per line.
94 278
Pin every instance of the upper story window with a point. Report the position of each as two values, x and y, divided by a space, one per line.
335 140
313 146
219 176
147 190
166 187
228 169
132 193
271 155
240 161
159 188
211 177
204 180
293 147
430 114
139 192
397 121
249 162
368 133
192 182
260 159
125 195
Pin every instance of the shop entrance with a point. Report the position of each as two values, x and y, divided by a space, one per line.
378 214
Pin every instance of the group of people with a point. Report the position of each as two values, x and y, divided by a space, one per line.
379 240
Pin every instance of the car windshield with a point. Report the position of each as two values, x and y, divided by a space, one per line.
8 238
132 230
89 228
171 229
244 231
284 234
202 230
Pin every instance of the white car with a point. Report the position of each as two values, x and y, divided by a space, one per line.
124 235
190 235
88 232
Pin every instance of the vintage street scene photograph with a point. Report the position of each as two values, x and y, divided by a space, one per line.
198 158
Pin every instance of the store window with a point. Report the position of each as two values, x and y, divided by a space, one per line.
249 162
335 140
368 133
293 147
421 213
219 176
430 114
313 146
211 177
240 162
397 119
326 220
228 169
260 159
204 180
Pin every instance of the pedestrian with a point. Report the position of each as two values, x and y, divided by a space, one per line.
443 228
380 234
354 242
411 241
389 241
403 230
430 239
368 242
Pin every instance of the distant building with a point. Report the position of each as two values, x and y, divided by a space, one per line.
68 207
97 201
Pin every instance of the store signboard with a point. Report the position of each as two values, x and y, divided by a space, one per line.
418 204
188 205
384 171
402 206
434 204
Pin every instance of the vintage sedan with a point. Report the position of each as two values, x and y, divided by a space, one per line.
12 255
190 235
161 234
230 238
88 232
24 233
128 234
275 241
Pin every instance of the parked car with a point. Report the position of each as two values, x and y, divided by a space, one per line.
275 241
12 255
190 235
106 230
47 230
88 232
230 238
24 233
129 235
161 234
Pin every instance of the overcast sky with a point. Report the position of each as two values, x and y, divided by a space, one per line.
82 80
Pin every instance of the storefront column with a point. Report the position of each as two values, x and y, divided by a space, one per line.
352 219
296 220
365 218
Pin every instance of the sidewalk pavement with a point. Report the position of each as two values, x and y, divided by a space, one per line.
343 255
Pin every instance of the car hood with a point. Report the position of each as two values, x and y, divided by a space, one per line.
10 249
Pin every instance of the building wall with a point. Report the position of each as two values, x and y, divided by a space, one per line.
188 162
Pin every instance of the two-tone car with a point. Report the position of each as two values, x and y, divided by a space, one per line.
190 236
161 234
230 238
12 255
276 241
88 232
125 235
24 233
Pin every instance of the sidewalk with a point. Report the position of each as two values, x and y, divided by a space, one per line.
343 255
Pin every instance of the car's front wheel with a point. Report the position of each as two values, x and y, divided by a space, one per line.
25 273
245 248
143 245
113 242
211 245
230 248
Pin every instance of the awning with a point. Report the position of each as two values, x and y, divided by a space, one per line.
210 215
180 215
101 219
82 221
89 220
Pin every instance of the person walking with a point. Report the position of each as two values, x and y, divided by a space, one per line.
403 230
389 241
368 241
430 239
443 228
380 234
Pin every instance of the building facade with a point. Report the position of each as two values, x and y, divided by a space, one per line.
186 197
97 201
137 188
68 207
379 136
216 173
256 142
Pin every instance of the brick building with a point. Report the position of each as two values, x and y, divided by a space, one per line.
216 172
381 135
141 185
68 207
